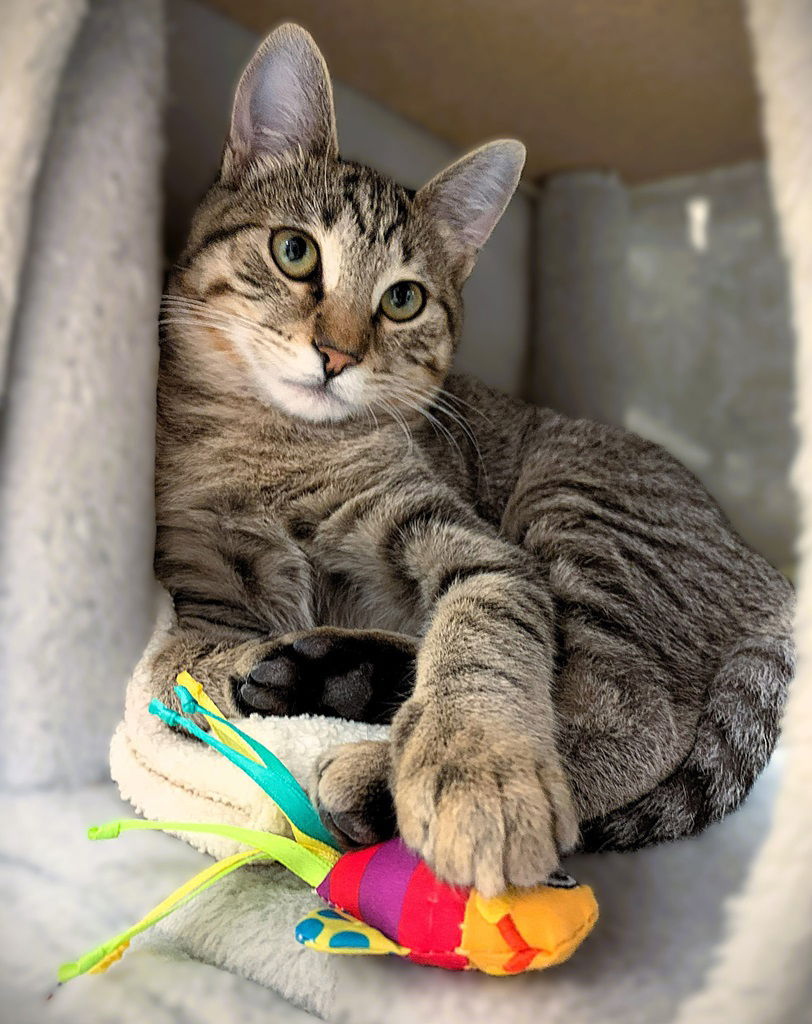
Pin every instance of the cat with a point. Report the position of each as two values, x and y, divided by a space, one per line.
574 648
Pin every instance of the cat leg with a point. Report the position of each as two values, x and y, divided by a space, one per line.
478 785
362 675
631 669
618 731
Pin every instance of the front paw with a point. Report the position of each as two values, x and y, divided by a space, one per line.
352 795
485 804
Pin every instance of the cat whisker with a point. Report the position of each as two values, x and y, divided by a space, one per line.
393 412
435 423
458 417
440 406
450 396
436 401
189 321
184 302
204 309
371 412
204 315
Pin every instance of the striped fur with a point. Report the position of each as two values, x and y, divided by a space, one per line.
594 647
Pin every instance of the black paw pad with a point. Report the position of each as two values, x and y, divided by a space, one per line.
345 675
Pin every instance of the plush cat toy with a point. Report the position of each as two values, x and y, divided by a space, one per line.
382 899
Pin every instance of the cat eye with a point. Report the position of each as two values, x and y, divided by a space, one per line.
403 301
295 253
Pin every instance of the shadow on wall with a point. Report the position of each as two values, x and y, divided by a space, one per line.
711 340
664 309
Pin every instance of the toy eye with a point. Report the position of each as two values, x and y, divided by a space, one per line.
403 301
295 253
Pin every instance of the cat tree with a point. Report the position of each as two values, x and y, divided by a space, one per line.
79 101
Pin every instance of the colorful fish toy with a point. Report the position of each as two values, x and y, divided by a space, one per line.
381 900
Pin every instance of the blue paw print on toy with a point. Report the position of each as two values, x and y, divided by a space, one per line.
334 930
348 940
308 930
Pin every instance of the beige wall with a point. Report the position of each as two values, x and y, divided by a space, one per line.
648 88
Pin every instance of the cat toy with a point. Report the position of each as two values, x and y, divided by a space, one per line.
382 899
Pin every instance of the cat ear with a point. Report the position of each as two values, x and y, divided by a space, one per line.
468 198
284 102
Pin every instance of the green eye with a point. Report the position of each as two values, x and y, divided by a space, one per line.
295 253
403 301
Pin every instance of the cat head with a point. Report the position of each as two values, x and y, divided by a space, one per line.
316 285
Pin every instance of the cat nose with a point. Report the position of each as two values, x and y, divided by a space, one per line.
335 360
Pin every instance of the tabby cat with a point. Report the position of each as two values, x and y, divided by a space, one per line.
572 645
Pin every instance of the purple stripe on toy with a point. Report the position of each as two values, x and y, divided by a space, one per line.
384 884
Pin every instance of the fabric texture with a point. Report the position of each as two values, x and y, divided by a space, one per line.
166 775
33 51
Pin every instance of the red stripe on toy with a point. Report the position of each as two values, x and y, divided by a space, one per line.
343 884
520 961
524 954
431 920
384 886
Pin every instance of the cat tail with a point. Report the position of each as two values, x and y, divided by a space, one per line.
736 734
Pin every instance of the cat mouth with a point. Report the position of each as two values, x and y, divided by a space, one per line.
316 387
318 390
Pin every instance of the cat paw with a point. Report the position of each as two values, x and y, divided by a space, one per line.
482 804
351 674
352 795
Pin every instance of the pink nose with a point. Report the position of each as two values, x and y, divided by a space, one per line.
335 360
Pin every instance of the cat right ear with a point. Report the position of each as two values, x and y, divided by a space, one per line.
283 105
467 199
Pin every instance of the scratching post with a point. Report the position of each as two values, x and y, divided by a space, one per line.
763 974
76 467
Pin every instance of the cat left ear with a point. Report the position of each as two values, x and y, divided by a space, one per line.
283 104
467 199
